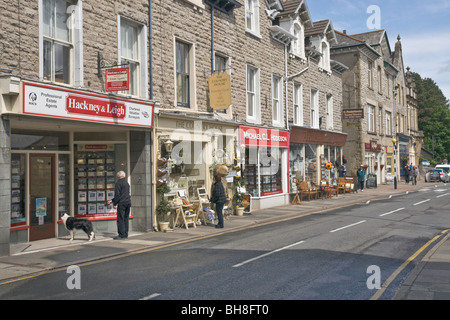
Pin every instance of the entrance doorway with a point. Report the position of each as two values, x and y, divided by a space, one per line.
42 191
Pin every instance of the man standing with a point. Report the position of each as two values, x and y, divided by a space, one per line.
361 174
122 202
219 198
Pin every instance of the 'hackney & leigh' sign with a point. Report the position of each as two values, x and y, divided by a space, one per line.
50 101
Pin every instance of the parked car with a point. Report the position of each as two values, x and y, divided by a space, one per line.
436 175
426 163
446 169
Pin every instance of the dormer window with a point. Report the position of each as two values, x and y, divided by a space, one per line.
325 58
298 45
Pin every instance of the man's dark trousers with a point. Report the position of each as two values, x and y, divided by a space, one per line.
219 211
123 214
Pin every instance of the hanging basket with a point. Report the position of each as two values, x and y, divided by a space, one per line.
160 182
161 162
161 172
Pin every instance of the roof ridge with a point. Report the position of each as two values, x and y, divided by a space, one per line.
349 36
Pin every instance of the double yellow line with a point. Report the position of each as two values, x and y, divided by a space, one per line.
385 285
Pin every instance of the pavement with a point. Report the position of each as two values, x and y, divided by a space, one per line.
429 280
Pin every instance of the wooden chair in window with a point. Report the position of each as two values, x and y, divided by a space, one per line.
306 190
341 185
327 189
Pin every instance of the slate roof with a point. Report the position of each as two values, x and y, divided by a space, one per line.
318 27
290 6
371 38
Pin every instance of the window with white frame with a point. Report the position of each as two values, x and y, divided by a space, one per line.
252 94
129 53
314 112
182 74
388 123
370 118
370 74
330 111
297 46
132 42
325 58
57 40
252 16
277 94
298 104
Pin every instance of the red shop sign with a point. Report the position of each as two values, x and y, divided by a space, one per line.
262 137
95 107
117 79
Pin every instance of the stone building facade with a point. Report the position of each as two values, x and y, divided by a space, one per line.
53 59
63 135
375 85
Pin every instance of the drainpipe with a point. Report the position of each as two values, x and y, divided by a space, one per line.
286 86
150 45
152 134
212 38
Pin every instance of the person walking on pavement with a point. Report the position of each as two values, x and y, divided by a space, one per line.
361 174
122 202
407 174
219 198
415 173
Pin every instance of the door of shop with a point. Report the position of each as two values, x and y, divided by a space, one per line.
42 191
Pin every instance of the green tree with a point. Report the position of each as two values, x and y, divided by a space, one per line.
434 117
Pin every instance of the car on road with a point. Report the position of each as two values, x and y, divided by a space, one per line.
426 163
435 175
446 169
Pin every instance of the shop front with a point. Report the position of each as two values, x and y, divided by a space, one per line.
374 163
264 156
197 145
315 156
66 147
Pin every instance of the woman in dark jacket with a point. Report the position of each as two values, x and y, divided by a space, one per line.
219 198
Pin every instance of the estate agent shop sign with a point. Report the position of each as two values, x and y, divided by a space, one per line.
49 101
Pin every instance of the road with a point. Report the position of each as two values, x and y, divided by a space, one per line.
334 255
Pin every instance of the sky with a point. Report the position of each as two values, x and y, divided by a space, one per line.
424 28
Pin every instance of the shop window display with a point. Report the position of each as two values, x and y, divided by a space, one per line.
63 185
263 170
95 177
311 164
330 156
18 217
186 167
296 164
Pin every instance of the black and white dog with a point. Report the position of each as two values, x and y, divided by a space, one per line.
74 224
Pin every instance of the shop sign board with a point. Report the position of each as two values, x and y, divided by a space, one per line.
349 114
316 136
117 79
56 102
373 146
220 91
263 137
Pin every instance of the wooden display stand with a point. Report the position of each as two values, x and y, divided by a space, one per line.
180 216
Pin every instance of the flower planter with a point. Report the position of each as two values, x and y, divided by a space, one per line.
163 226
239 211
